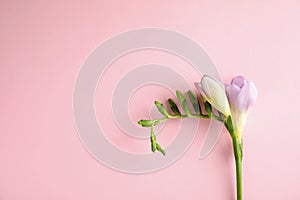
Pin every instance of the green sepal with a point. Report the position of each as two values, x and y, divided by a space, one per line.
174 107
183 103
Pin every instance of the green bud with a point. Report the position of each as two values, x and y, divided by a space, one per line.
183 103
162 109
192 97
195 102
174 107
208 108
145 123
158 147
153 143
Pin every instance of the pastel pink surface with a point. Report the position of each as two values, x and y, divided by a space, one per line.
43 44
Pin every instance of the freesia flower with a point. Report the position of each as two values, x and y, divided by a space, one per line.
242 95
234 101
214 92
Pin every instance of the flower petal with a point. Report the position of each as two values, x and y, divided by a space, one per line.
252 95
247 97
232 92
215 92
239 81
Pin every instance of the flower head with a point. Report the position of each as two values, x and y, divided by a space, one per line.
214 92
242 95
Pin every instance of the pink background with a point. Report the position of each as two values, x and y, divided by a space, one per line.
42 45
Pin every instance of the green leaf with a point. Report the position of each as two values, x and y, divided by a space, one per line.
183 103
174 107
195 102
162 109
145 123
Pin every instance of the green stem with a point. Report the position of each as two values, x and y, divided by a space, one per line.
151 123
238 154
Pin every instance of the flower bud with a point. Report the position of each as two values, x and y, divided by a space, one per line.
214 92
242 95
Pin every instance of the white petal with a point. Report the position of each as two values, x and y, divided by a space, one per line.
239 120
215 92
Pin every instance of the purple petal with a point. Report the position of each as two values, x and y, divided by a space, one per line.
232 92
247 97
252 94
239 81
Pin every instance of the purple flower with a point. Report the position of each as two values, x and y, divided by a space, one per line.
242 95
